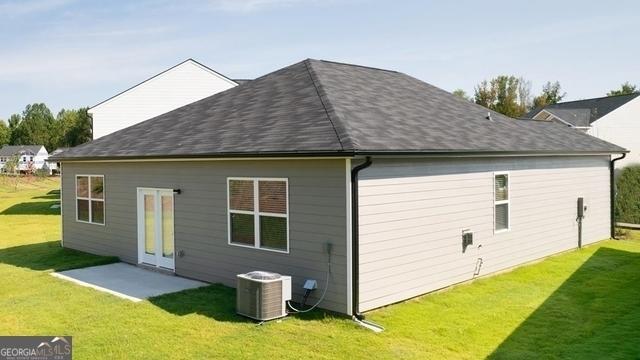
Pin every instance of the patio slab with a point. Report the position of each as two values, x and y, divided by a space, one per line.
128 281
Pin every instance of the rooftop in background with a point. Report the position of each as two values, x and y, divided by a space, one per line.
189 60
319 107
582 113
11 150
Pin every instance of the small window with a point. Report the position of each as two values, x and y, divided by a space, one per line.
90 199
24 159
501 201
30 158
258 213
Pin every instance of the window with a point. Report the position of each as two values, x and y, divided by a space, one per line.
258 213
30 158
90 199
501 201
24 159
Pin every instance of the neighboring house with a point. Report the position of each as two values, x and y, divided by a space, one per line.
179 85
29 157
613 118
391 171
53 164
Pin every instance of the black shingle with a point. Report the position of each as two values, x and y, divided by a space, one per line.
321 107
585 112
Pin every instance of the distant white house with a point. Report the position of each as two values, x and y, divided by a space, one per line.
615 119
29 157
177 86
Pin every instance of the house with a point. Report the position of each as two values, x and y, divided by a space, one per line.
389 186
53 164
179 85
29 157
611 118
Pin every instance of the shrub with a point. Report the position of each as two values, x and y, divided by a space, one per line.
628 195
42 173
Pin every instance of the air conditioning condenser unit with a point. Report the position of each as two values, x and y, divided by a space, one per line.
262 295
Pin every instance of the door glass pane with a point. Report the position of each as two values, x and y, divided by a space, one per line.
273 232
167 226
242 229
149 224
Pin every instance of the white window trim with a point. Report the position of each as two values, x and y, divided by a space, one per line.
256 213
500 202
104 208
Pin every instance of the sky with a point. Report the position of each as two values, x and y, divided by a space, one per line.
70 54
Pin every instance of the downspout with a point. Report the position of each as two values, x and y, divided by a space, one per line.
355 249
612 193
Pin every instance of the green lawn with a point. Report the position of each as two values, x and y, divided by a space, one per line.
582 304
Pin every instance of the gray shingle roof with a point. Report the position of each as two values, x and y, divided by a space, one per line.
585 112
11 150
318 107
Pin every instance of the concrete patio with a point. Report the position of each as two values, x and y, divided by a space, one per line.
128 281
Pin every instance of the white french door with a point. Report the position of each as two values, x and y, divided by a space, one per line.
155 227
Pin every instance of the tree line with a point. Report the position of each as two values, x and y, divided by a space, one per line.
37 125
511 96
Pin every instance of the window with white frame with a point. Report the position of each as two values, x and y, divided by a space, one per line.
259 213
90 199
501 201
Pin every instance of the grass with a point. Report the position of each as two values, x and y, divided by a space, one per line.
581 304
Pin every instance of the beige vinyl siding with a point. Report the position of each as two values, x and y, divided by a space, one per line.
413 212
317 214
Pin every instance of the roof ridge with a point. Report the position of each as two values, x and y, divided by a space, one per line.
356 65
595 98
326 104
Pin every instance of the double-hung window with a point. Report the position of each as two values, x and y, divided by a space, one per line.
501 203
90 199
259 213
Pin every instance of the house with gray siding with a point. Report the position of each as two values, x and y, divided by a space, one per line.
390 187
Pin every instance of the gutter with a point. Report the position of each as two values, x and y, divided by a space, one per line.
612 193
337 154
355 251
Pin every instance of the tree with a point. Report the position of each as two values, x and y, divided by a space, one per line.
484 94
524 94
14 122
65 121
5 133
627 199
507 95
11 166
461 94
551 94
625 89
36 127
81 129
